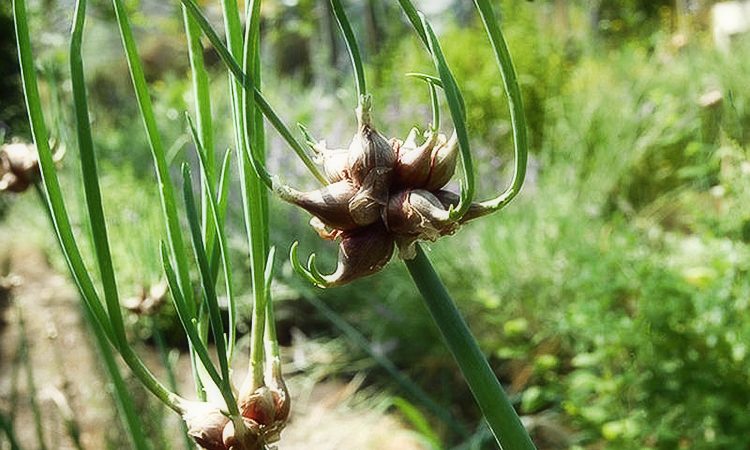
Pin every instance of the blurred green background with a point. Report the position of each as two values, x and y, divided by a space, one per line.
611 298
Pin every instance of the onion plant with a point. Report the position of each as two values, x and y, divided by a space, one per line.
375 196
252 416
379 194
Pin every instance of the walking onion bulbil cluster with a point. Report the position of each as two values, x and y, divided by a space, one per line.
383 194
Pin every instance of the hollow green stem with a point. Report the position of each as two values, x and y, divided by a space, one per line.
204 120
91 179
413 15
253 192
218 227
270 340
190 325
351 45
53 192
202 98
488 393
455 105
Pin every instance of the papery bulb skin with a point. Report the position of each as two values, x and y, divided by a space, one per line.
249 440
417 213
205 424
372 196
330 204
282 401
362 252
259 406
335 162
413 164
443 163
369 150
11 183
20 158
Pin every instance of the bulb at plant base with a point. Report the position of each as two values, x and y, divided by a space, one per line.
205 423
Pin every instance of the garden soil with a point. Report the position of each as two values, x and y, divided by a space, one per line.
42 305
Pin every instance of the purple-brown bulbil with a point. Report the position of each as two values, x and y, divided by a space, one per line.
384 194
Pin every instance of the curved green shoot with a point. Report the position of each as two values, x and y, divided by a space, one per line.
352 47
309 139
434 101
455 105
488 393
435 81
311 272
515 103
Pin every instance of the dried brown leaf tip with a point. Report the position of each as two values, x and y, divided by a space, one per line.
383 194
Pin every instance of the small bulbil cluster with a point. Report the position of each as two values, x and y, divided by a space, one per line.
382 194
264 410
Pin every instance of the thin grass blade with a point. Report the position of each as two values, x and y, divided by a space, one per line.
207 283
218 225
